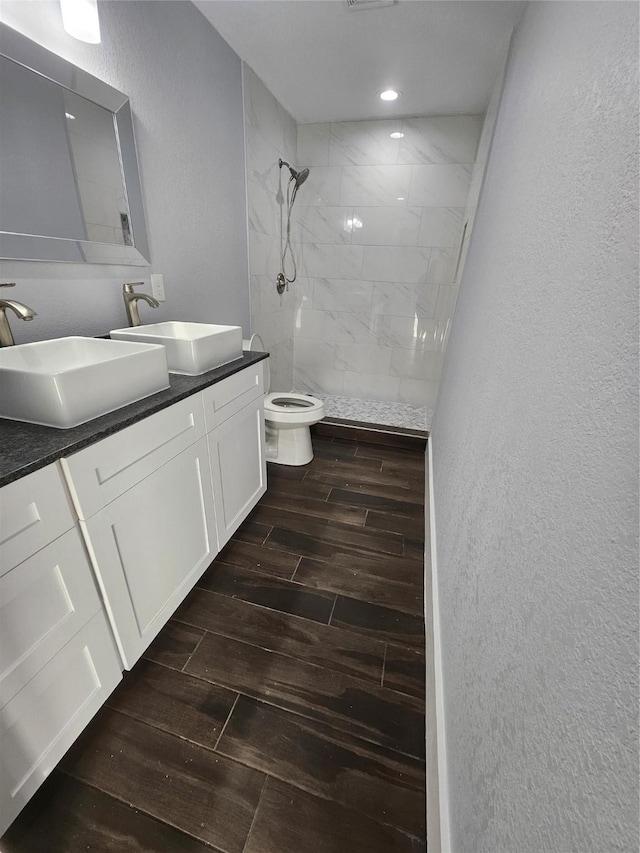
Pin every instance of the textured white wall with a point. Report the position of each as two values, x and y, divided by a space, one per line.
185 87
535 455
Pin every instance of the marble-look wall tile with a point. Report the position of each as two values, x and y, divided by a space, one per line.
386 226
363 358
363 143
405 300
311 380
343 295
371 386
442 266
327 261
270 134
343 328
311 352
439 186
414 364
414 333
440 226
322 187
396 263
313 145
443 139
374 186
324 224
418 392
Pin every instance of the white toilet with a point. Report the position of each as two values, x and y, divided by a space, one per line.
287 418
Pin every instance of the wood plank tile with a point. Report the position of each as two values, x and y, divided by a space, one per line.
193 789
299 488
352 476
299 638
388 454
252 531
322 760
268 561
174 645
413 470
174 702
322 549
290 821
377 503
379 622
357 583
313 508
274 593
350 704
404 670
411 527
368 434
286 472
345 535
67 816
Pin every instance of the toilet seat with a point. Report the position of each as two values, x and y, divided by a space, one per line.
292 408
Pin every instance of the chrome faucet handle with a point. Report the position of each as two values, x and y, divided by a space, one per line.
128 287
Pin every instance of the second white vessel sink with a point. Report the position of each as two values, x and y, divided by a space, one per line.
192 348
68 381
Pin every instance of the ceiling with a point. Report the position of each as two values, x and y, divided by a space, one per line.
325 62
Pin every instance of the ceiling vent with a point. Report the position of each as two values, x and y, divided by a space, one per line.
358 5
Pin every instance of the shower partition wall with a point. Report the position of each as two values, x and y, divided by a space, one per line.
381 224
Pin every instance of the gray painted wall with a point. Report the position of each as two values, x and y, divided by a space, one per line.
535 455
185 86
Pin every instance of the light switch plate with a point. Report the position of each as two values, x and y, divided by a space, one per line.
157 287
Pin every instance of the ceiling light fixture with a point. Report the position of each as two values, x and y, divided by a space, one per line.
80 19
389 95
397 134
68 115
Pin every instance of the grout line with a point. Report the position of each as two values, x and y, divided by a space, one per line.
186 663
222 730
296 568
384 663
253 819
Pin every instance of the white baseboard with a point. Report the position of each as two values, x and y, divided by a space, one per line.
438 826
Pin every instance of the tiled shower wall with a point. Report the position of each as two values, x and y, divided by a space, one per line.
270 134
379 222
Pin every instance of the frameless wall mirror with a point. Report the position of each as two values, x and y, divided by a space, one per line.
69 181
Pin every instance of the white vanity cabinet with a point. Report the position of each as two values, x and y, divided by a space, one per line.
235 432
58 661
145 501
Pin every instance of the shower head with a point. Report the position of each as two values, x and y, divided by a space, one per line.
299 177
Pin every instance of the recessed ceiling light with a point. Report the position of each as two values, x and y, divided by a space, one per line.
389 95
396 134
68 115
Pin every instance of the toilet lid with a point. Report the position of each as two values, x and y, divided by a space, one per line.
255 344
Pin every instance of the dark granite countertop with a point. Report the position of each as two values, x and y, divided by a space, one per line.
27 447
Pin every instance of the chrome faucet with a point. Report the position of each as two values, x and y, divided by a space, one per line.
131 300
22 311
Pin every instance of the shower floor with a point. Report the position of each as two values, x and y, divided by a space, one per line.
377 412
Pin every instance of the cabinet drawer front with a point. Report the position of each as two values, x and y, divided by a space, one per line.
33 511
150 546
224 399
47 715
238 468
44 602
102 472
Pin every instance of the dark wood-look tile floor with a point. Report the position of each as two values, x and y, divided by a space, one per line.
281 710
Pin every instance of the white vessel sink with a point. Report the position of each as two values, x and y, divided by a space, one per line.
192 348
68 381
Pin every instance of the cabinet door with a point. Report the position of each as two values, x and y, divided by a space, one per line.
150 545
238 467
41 722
